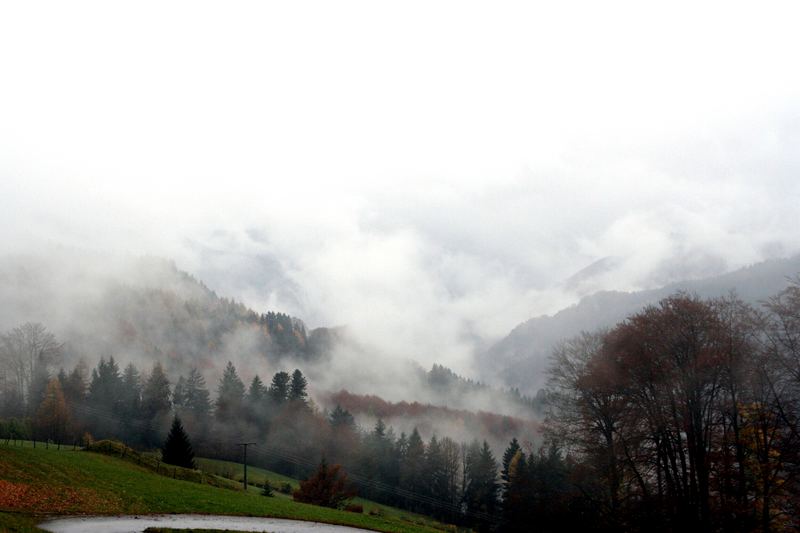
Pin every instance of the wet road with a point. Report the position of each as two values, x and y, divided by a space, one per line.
137 524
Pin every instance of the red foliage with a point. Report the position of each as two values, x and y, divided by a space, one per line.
498 426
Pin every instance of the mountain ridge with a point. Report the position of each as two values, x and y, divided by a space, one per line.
519 359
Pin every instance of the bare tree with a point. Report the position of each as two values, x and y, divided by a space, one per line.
26 351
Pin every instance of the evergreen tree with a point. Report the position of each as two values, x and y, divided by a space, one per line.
279 389
341 418
297 388
103 398
412 469
256 399
230 395
156 393
177 449
436 476
179 393
518 496
195 394
130 402
75 386
480 484
105 384
508 455
256 392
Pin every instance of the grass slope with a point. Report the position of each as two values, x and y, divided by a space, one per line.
233 471
48 481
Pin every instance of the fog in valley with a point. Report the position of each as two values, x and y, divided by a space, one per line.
415 206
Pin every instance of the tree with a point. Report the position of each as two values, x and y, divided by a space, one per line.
508 456
279 388
130 398
156 405
297 388
341 418
480 482
412 468
103 398
256 396
230 395
195 394
156 393
328 487
177 449
27 351
52 417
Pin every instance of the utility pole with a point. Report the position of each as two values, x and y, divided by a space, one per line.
245 445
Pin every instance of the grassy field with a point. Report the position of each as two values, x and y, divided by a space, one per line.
38 482
257 476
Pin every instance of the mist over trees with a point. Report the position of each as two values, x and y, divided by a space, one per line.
683 416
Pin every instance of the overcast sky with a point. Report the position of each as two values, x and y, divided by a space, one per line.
426 172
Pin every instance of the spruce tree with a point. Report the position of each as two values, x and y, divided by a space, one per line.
297 388
230 395
177 449
195 394
279 389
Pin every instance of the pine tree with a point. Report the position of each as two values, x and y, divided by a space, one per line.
341 418
412 469
179 393
510 453
297 388
279 389
177 449
130 401
196 396
256 392
156 393
230 395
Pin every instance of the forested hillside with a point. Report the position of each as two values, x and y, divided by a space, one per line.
144 309
520 359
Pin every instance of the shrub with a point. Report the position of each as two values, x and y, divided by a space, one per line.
354 508
328 487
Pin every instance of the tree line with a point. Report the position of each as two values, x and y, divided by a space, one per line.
683 416
454 481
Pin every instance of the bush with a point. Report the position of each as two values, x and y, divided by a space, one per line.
285 488
328 487
266 490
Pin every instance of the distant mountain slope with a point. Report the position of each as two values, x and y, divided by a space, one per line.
520 359
143 310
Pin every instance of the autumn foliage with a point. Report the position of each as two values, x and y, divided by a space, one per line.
328 487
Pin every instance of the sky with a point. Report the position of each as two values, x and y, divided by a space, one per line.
428 173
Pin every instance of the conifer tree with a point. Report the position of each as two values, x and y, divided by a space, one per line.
341 418
177 449
279 389
156 393
230 394
297 388
196 396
